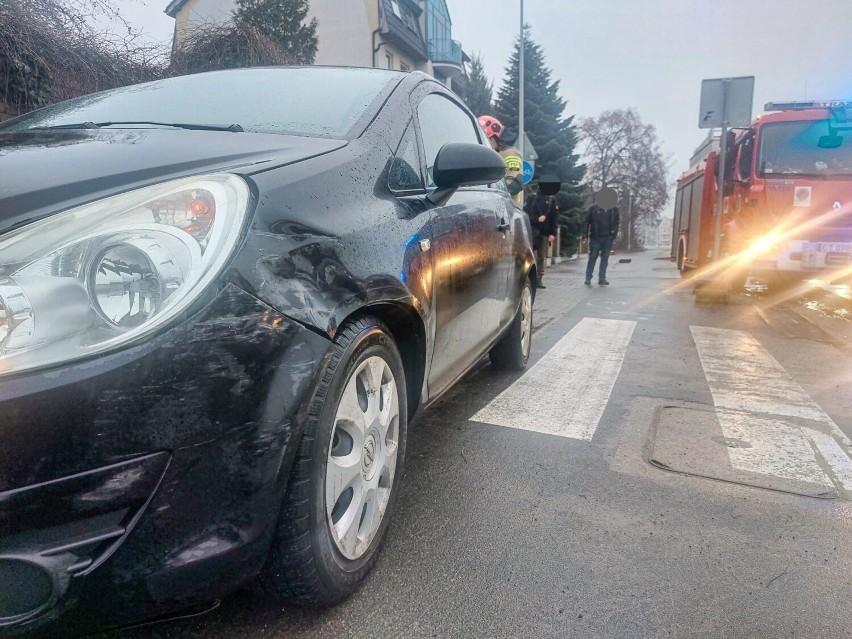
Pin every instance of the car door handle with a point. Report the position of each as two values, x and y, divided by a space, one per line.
503 227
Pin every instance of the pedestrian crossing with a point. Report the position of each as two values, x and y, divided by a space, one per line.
786 434
756 399
566 391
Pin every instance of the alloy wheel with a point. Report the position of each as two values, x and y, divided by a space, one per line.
526 321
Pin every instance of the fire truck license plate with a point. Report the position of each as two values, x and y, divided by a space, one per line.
834 247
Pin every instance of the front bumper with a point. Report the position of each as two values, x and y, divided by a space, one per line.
797 256
150 479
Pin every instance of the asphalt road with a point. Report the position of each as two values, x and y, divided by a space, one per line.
662 470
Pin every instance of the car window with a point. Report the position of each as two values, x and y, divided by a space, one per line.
443 121
746 153
405 173
793 148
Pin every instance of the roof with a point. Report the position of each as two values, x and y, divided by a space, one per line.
174 6
794 116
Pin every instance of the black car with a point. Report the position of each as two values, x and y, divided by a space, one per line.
223 300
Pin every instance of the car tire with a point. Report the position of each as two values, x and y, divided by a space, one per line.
685 271
354 442
512 352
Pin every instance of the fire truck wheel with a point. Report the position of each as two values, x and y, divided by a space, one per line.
681 265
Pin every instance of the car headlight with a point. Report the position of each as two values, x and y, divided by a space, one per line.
105 274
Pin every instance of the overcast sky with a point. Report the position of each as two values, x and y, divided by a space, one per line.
649 54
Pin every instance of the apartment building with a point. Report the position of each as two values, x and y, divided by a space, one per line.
406 35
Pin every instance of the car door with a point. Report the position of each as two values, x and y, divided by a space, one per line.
468 243
513 267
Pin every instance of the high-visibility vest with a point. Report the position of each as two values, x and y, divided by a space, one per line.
514 169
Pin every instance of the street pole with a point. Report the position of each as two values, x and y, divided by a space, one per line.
720 192
521 89
629 221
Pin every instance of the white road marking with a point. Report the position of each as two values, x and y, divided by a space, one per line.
759 403
775 447
566 391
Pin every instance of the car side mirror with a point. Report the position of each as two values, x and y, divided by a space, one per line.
461 164
830 141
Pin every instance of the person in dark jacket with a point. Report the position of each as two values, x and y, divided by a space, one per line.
543 211
600 228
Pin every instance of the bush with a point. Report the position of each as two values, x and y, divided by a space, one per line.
233 45
48 53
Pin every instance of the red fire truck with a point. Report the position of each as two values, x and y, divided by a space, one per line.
787 201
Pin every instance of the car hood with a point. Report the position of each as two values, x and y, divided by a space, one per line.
43 172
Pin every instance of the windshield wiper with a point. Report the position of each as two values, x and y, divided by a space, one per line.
233 128
823 174
77 125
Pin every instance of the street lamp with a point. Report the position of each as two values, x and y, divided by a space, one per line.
521 89
629 221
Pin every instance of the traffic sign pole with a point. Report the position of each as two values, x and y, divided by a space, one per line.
723 157
725 102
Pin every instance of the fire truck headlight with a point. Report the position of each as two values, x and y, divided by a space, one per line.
764 244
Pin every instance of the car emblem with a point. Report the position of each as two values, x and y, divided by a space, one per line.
369 453
836 205
802 196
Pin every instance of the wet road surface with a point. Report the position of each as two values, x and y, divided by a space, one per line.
662 470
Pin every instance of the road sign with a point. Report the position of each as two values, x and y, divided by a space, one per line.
529 171
726 102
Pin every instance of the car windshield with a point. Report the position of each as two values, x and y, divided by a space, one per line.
793 148
266 100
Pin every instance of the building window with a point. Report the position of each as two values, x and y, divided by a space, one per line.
404 67
389 60
405 14
438 23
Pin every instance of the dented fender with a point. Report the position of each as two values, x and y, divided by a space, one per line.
218 398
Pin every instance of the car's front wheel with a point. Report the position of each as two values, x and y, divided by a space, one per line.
347 471
512 352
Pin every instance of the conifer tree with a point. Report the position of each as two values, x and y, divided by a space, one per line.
553 135
479 91
283 22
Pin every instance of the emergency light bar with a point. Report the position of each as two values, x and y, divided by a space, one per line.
803 106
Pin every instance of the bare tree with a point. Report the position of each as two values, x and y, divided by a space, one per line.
77 16
621 151
213 46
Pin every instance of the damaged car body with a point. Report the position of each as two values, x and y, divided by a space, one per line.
219 316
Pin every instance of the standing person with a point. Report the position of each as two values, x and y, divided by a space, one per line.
543 211
501 140
601 228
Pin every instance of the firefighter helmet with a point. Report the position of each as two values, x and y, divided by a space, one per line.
491 125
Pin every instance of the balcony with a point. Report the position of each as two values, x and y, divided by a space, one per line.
447 56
